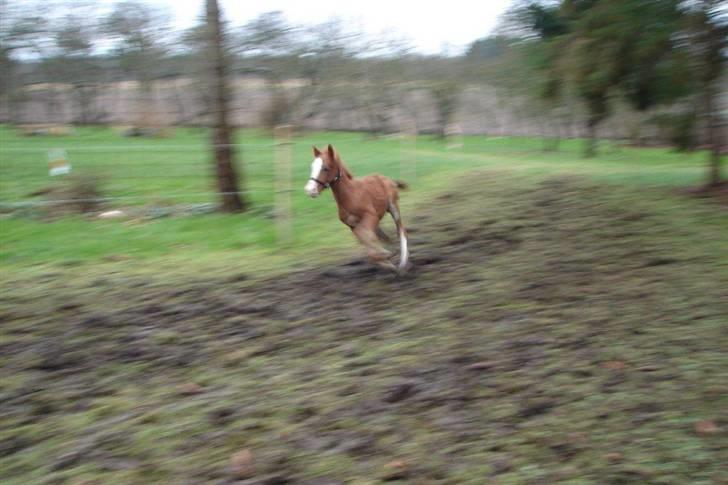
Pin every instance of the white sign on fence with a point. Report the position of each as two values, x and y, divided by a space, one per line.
58 163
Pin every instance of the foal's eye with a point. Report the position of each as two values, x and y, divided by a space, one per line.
325 169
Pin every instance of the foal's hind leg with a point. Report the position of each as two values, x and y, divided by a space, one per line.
366 233
393 209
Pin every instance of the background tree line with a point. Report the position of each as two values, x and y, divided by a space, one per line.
652 62
643 53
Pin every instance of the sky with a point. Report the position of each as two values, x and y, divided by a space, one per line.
429 26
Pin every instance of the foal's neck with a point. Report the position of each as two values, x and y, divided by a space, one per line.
342 187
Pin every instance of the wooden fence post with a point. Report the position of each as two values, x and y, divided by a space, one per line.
283 158
454 136
408 151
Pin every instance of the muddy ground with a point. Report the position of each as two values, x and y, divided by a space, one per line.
550 331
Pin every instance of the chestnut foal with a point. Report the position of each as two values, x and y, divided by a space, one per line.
362 203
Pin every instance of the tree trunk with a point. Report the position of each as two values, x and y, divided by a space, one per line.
551 143
550 133
714 138
590 146
227 179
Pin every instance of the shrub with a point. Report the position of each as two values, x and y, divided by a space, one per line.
679 129
74 194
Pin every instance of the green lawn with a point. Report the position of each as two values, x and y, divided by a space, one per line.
175 171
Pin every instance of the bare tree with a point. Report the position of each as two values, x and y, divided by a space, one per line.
267 47
445 94
73 63
708 37
22 33
278 51
227 178
139 33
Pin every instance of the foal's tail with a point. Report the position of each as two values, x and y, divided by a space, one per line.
401 185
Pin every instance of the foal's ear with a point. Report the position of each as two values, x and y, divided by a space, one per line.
316 152
332 153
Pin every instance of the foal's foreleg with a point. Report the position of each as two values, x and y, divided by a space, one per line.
366 233
382 235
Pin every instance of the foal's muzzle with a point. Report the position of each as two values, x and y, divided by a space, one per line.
312 189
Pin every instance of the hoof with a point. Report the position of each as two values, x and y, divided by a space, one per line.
405 270
388 267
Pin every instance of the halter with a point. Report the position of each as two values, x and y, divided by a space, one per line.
329 184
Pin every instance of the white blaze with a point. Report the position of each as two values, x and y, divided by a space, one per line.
312 187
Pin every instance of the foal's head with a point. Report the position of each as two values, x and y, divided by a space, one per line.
325 171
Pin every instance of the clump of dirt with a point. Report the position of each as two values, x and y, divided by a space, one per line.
716 192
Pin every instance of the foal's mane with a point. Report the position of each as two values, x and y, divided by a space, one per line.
344 169
345 172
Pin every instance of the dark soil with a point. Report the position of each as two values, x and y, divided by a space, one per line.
717 193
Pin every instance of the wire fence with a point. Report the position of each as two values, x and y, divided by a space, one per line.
162 148
130 172
122 197
154 174
146 177
139 177
23 169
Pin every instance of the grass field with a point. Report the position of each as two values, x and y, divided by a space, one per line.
176 171
564 322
